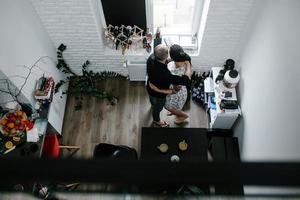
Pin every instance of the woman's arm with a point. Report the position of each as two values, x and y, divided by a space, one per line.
164 91
188 71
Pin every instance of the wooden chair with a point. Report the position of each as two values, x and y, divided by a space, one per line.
51 147
111 151
226 149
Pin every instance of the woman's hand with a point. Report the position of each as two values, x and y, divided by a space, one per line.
177 88
187 63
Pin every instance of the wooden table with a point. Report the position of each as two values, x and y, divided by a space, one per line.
196 138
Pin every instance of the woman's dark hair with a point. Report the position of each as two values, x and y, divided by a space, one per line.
178 55
188 58
176 52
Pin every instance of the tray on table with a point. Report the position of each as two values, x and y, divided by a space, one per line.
8 139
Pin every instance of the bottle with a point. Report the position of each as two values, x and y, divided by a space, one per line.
149 36
157 39
157 34
220 76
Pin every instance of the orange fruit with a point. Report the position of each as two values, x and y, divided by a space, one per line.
9 144
23 121
3 122
20 113
11 125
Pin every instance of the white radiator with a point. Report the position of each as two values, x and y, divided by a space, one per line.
136 70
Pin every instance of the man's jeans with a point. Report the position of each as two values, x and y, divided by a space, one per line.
157 106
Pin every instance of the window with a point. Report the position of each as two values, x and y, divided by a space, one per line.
173 16
129 12
178 20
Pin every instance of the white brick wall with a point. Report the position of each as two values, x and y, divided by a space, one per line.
225 24
73 23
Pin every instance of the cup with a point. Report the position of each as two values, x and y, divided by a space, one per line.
183 145
163 148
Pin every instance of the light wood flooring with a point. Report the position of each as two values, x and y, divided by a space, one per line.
100 122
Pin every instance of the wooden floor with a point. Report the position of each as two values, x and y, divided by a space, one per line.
98 121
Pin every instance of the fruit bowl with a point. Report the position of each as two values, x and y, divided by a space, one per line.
13 123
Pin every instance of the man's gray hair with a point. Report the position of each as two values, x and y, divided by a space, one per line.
161 52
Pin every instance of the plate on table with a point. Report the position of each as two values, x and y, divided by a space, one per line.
13 124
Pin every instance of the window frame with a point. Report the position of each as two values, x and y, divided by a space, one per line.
198 23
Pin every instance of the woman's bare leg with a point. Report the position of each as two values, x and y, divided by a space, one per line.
180 115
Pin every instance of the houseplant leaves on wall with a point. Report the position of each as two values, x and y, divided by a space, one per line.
85 84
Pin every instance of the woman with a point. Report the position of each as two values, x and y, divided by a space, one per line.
177 94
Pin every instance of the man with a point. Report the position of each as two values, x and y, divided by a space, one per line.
160 76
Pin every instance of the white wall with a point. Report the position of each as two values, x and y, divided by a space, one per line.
76 23
269 88
23 41
8 91
225 24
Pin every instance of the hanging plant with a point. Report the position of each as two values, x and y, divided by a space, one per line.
86 83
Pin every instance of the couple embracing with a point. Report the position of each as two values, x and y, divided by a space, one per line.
168 82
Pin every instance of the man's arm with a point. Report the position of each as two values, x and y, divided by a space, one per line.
150 63
163 91
182 80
